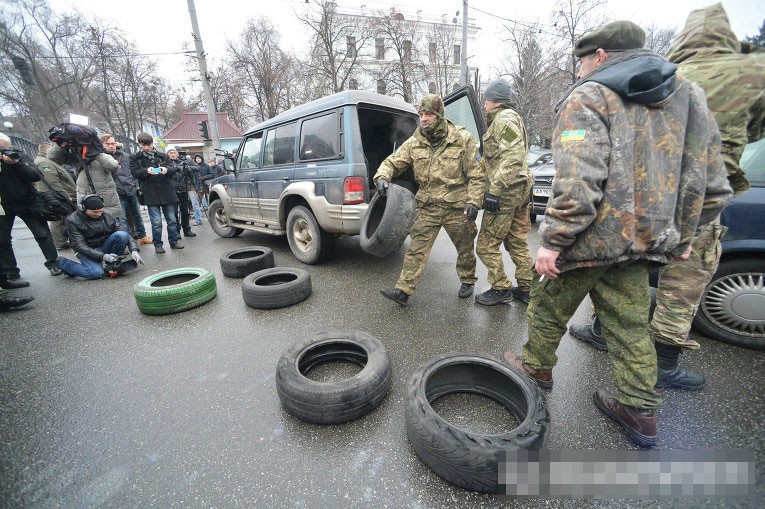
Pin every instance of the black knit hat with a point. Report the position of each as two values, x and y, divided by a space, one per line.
93 202
616 36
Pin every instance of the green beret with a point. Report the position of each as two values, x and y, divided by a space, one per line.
432 103
616 36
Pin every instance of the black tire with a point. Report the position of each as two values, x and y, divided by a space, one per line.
216 215
172 291
278 287
245 261
308 241
464 458
332 403
388 221
731 307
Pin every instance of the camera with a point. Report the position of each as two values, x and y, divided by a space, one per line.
12 153
182 154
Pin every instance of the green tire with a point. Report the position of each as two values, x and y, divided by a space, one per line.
176 290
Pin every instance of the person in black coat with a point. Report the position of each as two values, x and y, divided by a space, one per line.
16 187
205 173
153 172
183 182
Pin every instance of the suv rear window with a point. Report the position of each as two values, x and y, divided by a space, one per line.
280 145
318 138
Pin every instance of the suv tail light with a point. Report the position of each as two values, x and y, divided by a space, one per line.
353 190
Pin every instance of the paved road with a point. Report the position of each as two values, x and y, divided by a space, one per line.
103 406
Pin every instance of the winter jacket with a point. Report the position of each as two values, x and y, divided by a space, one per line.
505 153
709 54
16 185
101 169
87 233
183 178
447 175
637 162
157 189
58 178
127 185
205 171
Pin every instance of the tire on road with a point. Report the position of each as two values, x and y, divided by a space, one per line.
731 305
336 402
216 215
277 287
243 262
465 458
388 221
175 290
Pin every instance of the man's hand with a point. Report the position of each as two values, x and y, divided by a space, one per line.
490 202
545 263
136 257
684 256
470 213
110 258
382 186
8 160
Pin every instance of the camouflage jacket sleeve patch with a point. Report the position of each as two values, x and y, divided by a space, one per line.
575 135
509 134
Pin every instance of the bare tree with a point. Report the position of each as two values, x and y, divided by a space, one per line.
441 70
659 39
573 19
403 73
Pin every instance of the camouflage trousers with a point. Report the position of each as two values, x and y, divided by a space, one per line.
430 218
509 226
681 285
620 295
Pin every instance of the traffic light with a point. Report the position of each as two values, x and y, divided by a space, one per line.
25 72
203 130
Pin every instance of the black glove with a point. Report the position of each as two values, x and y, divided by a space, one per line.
110 258
382 186
470 213
490 202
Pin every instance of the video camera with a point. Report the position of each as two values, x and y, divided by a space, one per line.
12 153
79 136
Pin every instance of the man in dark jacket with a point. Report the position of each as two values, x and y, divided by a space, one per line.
183 182
206 172
61 180
16 186
152 169
127 189
96 236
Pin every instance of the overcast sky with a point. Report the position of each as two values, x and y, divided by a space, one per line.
163 27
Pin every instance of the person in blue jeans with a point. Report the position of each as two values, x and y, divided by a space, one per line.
96 237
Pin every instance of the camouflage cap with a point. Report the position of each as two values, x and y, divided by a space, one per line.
615 36
432 103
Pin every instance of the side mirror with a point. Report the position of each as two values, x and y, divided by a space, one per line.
228 163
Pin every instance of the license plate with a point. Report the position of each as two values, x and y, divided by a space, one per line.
542 192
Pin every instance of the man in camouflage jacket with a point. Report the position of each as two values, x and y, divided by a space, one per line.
506 204
443 157
708 54
60 180
638 169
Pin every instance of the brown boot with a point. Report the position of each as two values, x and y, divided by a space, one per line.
542 378
640 425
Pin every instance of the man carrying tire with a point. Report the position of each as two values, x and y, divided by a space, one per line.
506 204
443 157
708 53
618 206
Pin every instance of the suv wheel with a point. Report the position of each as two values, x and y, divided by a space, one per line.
731 305
308 242
216 213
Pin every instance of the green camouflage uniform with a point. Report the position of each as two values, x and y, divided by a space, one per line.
505 163
619 203
449 179
61 181
709 54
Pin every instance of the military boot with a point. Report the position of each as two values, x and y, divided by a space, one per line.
466 290
672 376
491 297
589 334
522 296
542 378
640 425
395 295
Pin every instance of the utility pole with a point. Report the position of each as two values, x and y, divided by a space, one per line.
463 60
211 118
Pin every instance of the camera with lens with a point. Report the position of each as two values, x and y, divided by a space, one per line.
12 153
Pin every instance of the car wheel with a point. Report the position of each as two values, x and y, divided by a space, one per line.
731 308
465 458
335 402
216 214
172 291
276 288
245 261
388 221
308 242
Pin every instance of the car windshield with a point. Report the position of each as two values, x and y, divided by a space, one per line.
753 163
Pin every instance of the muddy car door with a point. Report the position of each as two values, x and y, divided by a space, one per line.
241 188
278 170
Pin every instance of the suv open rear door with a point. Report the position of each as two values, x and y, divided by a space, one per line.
462 108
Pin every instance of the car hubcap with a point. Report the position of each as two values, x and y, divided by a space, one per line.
735 303
221 219
301 232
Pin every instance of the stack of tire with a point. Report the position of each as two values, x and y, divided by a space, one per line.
265 286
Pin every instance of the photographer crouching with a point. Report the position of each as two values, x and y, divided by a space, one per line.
97 237
183 182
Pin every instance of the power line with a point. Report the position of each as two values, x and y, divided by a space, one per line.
535 28
85 57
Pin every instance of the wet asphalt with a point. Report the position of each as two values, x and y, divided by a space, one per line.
102 406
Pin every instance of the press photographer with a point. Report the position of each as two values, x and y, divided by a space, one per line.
97 237
17 177
183 182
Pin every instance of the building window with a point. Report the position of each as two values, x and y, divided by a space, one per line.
432 51
318 138
351 42
380 48
353 84
432 87
407 47
457 59
381 87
